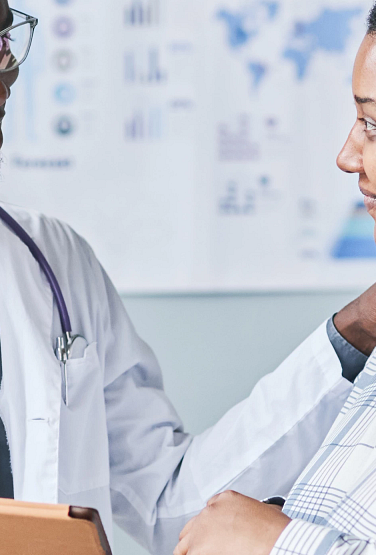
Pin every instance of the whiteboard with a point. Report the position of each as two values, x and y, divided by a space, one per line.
192 143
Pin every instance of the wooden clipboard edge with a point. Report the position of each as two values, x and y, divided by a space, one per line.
92 515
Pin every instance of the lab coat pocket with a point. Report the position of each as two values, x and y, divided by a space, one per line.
83 445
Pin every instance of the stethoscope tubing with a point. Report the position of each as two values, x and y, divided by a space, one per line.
44 265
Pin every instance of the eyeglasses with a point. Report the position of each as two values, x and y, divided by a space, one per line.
15 41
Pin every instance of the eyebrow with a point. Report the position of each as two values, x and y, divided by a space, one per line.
365 100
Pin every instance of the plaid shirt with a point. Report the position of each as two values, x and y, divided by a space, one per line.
333 503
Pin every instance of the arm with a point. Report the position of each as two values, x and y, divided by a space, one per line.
160 477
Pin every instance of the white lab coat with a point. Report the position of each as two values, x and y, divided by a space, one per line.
120 442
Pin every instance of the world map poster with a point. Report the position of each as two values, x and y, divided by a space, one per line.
194 144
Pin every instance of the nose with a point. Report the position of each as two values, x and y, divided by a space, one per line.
350 159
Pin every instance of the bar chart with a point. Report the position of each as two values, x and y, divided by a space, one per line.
234 141
142 13
144 67
237 202
145 125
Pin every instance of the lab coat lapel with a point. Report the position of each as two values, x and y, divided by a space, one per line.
31 391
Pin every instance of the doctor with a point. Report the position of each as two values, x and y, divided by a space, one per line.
118 445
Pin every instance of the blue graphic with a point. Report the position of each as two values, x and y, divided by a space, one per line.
235 202
64 126
243 26
258 72
64 27
329 32
150 71
237 33
154 71
357 239
64 60
264 181
145 125
272 8
64 2
65 93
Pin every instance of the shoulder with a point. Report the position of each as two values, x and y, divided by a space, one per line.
50 234
95 308
80 275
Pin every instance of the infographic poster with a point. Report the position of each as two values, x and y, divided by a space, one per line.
194 144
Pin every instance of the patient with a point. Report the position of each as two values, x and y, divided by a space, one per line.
332 507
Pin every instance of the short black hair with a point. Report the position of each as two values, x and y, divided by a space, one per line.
371 21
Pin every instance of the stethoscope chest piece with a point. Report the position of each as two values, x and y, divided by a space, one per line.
68 347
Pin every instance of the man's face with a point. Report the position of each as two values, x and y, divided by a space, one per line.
359 152
6 79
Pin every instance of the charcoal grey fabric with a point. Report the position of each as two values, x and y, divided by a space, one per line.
352 360
6 479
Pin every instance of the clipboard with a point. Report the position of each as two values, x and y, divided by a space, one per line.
41 529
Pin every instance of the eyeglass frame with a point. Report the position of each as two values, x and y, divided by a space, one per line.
29 20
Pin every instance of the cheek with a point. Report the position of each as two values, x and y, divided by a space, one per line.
369 161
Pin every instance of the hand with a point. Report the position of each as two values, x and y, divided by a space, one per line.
357 322
232 523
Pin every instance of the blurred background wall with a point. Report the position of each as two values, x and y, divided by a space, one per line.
193 143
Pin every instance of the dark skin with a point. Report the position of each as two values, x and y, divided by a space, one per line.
232 523
357 321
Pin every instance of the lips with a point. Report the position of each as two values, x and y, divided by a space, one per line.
369 199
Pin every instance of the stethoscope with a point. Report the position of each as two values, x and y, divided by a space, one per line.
67 346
